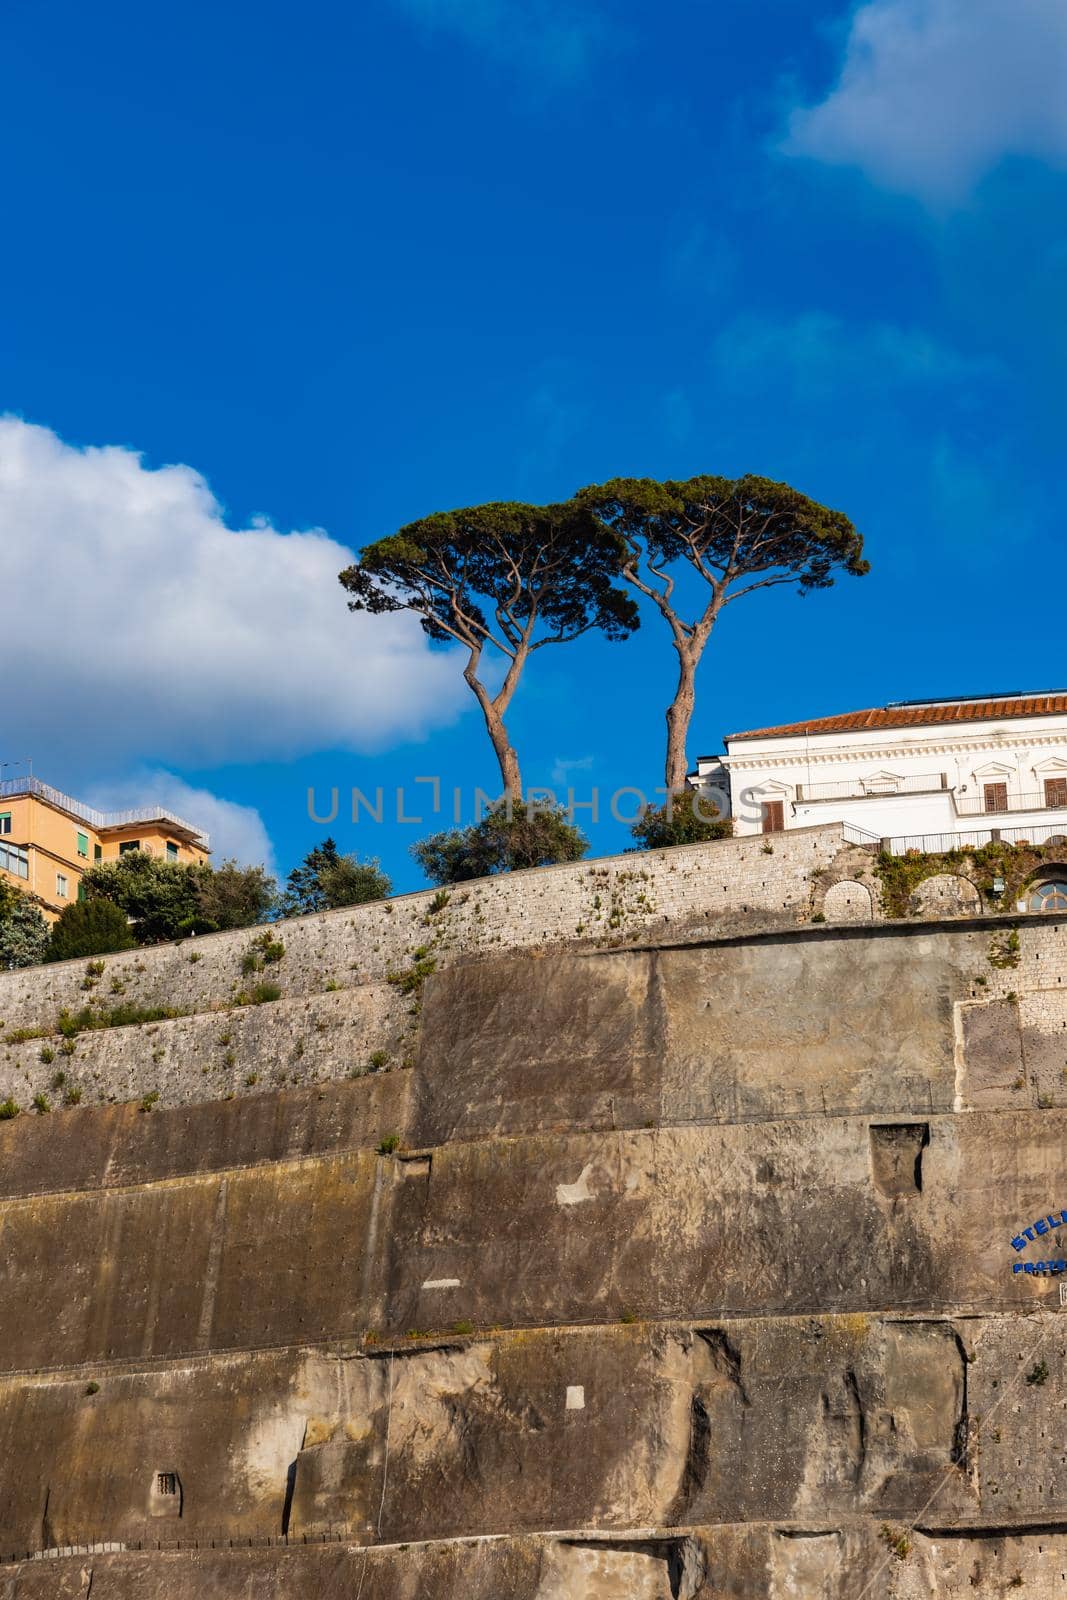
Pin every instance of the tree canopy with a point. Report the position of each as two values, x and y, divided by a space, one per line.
684 819
89 928
23 930
326 879
506 577
170 899
531 836
737 535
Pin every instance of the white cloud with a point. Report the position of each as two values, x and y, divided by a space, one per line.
816 357
565 767
139 627
556 38
235 830
933 94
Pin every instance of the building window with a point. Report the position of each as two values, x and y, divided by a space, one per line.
127 845
996 796
172 850
773 816
1049 896
81 890
61 886
83 845
166 1483
15 859
5 822
1056 793
98 852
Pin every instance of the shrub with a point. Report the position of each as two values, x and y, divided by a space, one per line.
686 819
89 927
389 1145
72 1094
505 840
48 1055
1038 1374
326 879
41 1104
378 1059
260 993
23 930
149 1100
8 1109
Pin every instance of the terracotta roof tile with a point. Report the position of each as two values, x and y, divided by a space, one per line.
916 716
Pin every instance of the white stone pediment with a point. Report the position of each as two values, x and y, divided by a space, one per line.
994 769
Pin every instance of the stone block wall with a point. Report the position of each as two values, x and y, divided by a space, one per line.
680 1270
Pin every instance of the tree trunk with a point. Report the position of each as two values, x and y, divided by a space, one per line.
506 755
679 715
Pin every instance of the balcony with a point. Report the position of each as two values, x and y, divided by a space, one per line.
981 805
876 788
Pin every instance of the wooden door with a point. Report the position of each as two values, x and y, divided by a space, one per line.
774 816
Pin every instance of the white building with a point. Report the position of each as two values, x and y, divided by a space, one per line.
924 774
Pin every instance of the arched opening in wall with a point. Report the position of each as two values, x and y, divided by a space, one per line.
848 901
946 894
1048 895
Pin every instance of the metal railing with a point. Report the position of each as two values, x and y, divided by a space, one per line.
979 806
974 838
853 835
875 788
13 788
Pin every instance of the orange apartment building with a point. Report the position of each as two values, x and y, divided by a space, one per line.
48 841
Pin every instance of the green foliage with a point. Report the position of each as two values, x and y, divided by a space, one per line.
259 994
41 1104
463 1327
688 819
92 1387
1015 864
389 1145
149 1100
411 980
170 899
1005 950
229 896
378 1060
735 528
8 1109
23 930
87 928
897 1540
505 576
326 879
90 1019
532 836
738 535
264 951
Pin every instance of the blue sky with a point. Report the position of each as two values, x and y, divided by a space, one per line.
276 282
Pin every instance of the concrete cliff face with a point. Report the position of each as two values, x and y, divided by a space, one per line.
691 1274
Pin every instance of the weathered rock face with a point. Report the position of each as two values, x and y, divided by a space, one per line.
692 1275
